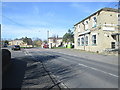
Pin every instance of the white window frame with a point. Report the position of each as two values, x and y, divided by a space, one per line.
94 22
78 41
87 41
78 27
82 41
94 43
86 24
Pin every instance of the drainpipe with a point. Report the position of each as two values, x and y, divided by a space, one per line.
89 42
118 38
84 42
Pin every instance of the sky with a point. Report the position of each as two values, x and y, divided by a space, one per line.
34 19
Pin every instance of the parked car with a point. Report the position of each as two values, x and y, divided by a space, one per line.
46 46
16 47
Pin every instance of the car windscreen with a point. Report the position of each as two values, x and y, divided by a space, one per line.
17 46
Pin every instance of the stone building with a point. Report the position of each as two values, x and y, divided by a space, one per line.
17 42
98 32
55 42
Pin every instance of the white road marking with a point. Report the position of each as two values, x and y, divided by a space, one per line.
63 85
52 75
30 54
25 53
91 67
97 70
56 77
82 65
67 54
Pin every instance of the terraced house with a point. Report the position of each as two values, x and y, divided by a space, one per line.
98 32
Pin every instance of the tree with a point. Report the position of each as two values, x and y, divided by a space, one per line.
45 41
6 42
21 38
16 39
37 42
68 37
28 41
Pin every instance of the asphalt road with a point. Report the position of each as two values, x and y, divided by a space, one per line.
46 68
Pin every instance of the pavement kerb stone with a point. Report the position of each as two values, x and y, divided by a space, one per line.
102 53
91 55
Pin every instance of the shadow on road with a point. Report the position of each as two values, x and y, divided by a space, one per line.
42 58
63 71
15 74
36 76
24 71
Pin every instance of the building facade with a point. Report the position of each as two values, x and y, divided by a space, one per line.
98 32
18 42
55 42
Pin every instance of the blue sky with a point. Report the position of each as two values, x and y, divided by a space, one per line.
34 19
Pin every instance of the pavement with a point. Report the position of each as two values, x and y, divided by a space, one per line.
61 68
101 57
27 72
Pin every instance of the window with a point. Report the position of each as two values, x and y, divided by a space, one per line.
86 40
105 24
118 15
86 25
83 25
94 21
86 22
82 41
78 27
94 39
78 41
112 44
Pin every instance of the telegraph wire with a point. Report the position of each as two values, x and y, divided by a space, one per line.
16 22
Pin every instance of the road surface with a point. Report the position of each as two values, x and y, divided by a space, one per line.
49 68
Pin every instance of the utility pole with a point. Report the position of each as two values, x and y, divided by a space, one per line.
47 36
